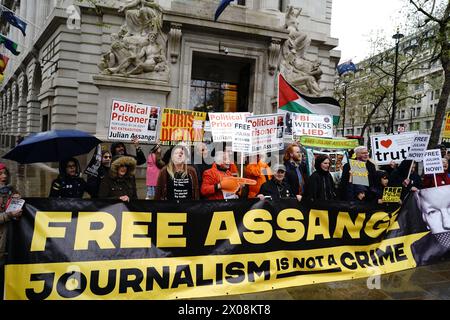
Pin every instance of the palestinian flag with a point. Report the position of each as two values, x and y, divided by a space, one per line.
289 99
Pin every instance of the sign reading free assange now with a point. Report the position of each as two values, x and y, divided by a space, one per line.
101 249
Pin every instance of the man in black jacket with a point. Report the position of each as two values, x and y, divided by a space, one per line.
277 188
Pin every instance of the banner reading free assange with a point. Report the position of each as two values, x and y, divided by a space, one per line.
100 249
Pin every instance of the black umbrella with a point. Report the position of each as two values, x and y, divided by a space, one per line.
52 146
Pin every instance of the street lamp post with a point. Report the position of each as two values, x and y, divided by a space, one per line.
345 104
397 38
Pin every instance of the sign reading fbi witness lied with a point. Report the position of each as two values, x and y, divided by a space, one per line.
100 249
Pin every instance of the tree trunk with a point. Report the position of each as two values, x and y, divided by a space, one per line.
445 92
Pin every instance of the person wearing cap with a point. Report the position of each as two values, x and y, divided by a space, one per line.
6 193
177 180
320 185
278 187
121 182
118 148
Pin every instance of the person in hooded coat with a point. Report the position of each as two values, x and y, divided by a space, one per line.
118 148
69 184
320 185
121 182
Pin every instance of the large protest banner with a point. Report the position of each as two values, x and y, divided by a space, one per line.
181 126
394 147
133 120
101 249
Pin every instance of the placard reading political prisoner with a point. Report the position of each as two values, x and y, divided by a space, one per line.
360 175
222 124
418 147
394 147
242 137
432 162
180 125
133 120
315 125
267 132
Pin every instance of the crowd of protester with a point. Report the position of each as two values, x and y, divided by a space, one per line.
213 176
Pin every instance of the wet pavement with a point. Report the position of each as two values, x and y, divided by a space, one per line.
422 283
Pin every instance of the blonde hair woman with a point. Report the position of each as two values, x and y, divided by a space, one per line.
177 180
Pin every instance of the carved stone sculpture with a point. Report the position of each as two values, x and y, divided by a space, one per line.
139 48
299 71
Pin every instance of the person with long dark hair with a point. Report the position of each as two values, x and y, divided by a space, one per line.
399 178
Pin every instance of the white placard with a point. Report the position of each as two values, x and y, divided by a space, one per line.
418 147
387 148
222 124
267 133
129 120
242 137
315 125
432 162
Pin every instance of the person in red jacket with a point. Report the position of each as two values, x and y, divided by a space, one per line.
442 179
213 179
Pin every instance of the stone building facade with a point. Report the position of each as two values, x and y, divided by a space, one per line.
56 81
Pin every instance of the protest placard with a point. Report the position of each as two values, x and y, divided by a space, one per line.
418 147
222 124
242 137
394 147
432 162
180 125
360 175
392 194
267 133
133 120
315 125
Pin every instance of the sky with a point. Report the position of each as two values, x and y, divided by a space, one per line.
353 22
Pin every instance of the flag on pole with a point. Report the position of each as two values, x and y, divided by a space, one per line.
14 20
9 44
290 99
346 67
3 62
223 4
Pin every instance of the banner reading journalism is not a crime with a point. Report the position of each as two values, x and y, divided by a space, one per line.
85 249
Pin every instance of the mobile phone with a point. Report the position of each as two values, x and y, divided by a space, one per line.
15 205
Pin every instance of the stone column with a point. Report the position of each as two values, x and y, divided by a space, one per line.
8 116
30 15
41 14
272 5
33 105
22 104
14 108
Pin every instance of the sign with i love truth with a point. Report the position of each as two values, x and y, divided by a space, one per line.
392 147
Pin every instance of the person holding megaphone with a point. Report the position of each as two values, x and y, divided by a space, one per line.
218 182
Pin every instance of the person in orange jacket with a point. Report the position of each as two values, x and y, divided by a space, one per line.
260 172
211 187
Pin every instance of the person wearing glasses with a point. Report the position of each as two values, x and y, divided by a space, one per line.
69 183
95 181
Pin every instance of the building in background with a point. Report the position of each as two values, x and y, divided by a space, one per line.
228 65
417 93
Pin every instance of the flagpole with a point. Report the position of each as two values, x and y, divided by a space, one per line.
29 22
